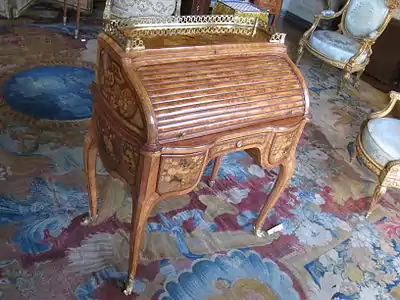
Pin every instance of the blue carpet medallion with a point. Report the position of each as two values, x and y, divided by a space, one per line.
58 93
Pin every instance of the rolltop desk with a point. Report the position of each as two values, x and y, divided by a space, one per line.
171 94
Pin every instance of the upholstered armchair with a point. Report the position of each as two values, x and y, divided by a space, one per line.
136 8
378 147
349 48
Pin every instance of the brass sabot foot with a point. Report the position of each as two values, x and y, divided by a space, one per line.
129 287
258 232
88 220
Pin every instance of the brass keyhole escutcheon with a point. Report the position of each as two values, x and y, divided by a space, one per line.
198 7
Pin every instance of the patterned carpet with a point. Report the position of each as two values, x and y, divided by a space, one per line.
197 246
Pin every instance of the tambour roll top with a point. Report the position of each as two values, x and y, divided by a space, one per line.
201 97
186 92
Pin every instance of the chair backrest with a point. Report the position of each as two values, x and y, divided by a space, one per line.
367 18
142 8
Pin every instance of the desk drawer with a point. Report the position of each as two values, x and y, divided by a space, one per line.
238 144
180 172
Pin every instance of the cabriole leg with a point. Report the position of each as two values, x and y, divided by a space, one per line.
300 52
214 174
344 82
378 193
141 207
78 17
90 150
65 13
353 154
285 173
140 212
358 78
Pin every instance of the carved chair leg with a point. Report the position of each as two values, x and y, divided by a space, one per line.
90 152
358 78
353 154
300 52
344 82
378 193
141 209
78 17
285 174
215 170
65 13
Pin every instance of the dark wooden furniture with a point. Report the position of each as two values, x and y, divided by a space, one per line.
273 6
384 65
170 98
195 7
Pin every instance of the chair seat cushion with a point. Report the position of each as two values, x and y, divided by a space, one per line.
381 140
336 46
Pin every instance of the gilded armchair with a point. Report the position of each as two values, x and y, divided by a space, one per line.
349 48
378 147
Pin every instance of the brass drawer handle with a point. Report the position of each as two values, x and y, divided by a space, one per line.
239 144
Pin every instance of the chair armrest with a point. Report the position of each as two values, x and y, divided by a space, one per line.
394 97
330 14
324 15
365 45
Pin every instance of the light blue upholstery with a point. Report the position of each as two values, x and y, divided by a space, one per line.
364 17
335 45
381 140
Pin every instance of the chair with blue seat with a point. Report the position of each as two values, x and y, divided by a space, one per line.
378 148
349 48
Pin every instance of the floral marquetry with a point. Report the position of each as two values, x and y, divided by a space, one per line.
108 137
281 147
179 173
126 104
118 94
130 157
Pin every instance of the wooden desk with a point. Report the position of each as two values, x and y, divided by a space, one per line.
169 99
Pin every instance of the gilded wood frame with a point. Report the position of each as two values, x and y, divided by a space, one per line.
366 43
388 175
